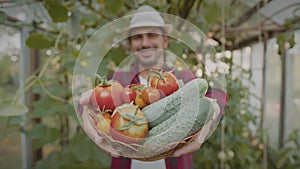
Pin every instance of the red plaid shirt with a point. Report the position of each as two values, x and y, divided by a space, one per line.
183 162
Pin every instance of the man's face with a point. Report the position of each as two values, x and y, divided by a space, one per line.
148 43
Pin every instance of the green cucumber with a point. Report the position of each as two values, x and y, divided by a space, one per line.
183 122
205 112
165 108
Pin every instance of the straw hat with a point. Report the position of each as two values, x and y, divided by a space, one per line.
147 16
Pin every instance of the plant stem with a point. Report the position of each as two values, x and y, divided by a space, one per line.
31 80
18 93
50 94
51 57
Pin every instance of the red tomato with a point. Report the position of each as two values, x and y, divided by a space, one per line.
128 124
150 95
128 95
138 88
107 96
165 82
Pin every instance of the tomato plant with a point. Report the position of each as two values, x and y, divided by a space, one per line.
164 81
107 95
128 124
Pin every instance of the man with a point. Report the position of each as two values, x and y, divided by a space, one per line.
148 39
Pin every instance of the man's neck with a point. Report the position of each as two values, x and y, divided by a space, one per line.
145 71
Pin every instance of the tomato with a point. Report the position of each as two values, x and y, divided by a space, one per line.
150 95
107 115
165 82
102 123
107 95
222 156
104 114
139 101
128 95
138 88
128 124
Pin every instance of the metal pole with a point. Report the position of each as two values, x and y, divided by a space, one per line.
282 99
24 65
263 105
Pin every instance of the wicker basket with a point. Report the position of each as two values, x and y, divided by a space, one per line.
137 151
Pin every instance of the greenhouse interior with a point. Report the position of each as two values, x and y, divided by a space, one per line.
256 43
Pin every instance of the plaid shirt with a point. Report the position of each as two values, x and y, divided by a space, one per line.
185 161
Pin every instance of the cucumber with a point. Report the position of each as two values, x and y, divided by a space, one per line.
161 127
165 108
183 122
205 112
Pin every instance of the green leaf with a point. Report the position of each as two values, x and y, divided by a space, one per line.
8 109
283 38
70 111
85 150
15 120
283 156
38 41
81 144
117 55
58 12
43 134
103 71
2 17
291 39
86 164
212 12
47 107
114 6
50 162
56 160
67 65
134 119
125 126
68 159
177 48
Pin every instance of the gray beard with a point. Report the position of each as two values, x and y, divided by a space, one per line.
152 63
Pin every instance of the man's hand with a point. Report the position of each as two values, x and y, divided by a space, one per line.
197 142
85 97
91 131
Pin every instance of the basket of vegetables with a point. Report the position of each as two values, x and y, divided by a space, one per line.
149 122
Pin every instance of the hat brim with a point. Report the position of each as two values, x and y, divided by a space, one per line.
167 27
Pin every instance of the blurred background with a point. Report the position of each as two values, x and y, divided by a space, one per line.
257 42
